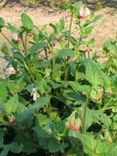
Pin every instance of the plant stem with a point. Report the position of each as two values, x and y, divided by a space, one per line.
80 40
28 69
25 44
66 71
6 38
84 115
53 63
70 28
68 45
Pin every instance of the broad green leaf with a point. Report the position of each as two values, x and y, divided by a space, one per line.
88 143
3 91
99 116
65 53
5 49
16 87
55 146
29 147
41 133
88 30
5 151
101 148
89 119
26 21
37 47
90 43
106 149
112 150
43 137
95 75
96 18
11 28
105 119
40 103
16 148
42 119
12 104
85 89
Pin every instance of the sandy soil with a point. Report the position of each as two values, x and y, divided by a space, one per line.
105 28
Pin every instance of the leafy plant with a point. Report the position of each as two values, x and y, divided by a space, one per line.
58 99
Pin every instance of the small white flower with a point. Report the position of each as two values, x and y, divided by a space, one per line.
16 37
35 94
84 13
87 12
81 12
10 70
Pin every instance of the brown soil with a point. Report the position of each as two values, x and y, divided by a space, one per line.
105 28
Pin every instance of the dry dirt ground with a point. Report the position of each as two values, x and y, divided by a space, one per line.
104 29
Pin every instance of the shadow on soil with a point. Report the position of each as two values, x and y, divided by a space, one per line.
106 3
110 3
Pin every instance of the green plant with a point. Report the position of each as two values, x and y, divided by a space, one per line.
59 100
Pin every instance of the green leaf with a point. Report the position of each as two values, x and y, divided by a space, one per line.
42 119
106 149
89 119
43 136
99 116
41 133
88 30
55 146
12 104
40 103
2 23
16 87
5 49
13 147
3 91
94 74
26 21
105 119
16 148
37 47
5 150
85 89
1 137
112 151
29 147
65 53
96 18
11 28
88 143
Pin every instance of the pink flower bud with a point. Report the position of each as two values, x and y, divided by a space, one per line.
76 128
73 124
16 38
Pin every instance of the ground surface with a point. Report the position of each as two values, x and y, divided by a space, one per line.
105 28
